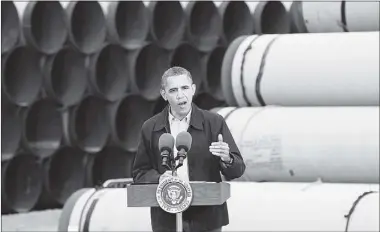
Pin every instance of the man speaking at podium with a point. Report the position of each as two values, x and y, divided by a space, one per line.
213 151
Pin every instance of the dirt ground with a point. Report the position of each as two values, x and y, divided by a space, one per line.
46 220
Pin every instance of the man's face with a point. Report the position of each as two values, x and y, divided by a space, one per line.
179 92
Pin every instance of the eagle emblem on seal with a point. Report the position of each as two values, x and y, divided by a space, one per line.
174 195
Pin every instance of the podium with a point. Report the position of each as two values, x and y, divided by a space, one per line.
167 195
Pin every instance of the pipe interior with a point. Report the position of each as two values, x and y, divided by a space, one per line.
130 116
11 129
48 26
205 21
214 68
168 22
10 26
112 163
43 127
91 124
132 23
188 57
206 101
68 76
111 79
88 26
23 183
274 19
151 64
22 75
237 20
67 173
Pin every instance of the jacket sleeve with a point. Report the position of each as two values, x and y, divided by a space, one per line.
142 169
237 168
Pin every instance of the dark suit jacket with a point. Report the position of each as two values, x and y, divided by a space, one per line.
203 166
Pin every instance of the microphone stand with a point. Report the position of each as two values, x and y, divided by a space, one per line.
173 167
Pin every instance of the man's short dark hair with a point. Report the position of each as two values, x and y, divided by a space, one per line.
174 71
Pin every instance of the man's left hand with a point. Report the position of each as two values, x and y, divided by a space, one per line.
221 149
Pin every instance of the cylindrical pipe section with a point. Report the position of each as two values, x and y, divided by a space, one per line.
10 26
87 25
11 129
212 68
293 206
43 128
22 75
65 76
127 23
359 220
168 23
339 16
188 57
86 125
146 67
127 116
204 24
66 173
21 183
270 17
112 163
236 18
205 101
302 144
108 73
258 71
43 25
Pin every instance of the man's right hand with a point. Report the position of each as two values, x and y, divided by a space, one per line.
165 175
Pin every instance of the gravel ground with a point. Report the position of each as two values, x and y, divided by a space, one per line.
46 220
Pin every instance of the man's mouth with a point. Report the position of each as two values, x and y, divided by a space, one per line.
182 103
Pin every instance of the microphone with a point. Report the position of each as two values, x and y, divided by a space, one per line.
165 145
183 145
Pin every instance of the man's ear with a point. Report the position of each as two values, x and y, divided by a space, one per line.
194 88
163 94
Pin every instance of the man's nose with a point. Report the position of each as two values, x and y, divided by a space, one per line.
180 94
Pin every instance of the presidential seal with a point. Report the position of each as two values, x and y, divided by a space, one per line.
174 195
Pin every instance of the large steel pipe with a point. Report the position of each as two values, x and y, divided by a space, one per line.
293 206
294 144
168 23
10 26
108 73
146 67
87 25
21 183
211 68
43 128
257 70
127 116
86 125
65 76
127 23
205 101
43 25
11 129
237 19
112 163
204 24
21 79
337 16
65 173
188 57
270 17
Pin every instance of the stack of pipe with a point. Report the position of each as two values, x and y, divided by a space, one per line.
80 78
299 83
